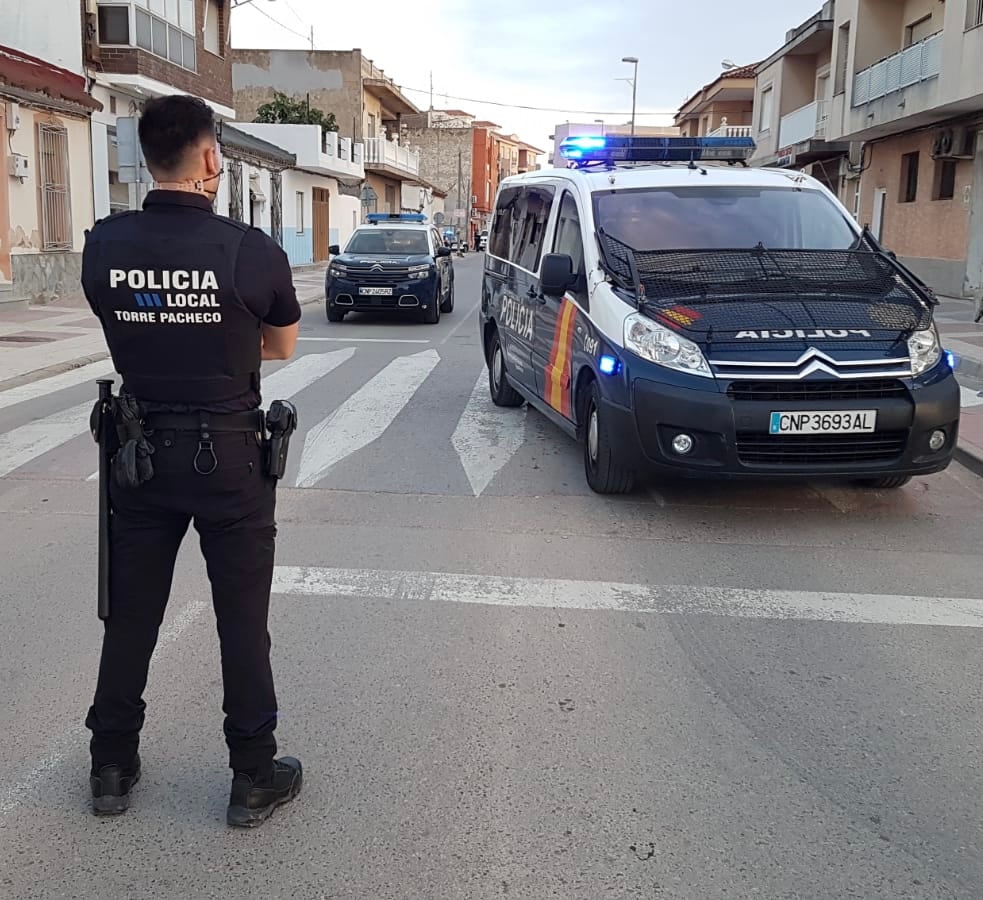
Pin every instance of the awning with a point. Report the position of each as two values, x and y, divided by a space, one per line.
36 81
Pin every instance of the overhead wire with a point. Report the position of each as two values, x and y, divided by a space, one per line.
496 103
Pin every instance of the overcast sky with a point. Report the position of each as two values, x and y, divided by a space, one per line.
558 57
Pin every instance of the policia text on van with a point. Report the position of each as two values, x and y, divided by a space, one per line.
710 320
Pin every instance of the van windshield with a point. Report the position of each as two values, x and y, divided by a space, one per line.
389 240
713 218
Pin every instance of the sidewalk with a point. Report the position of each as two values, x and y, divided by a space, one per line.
38 341
964 339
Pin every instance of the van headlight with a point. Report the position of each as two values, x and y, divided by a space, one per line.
664 347
925 349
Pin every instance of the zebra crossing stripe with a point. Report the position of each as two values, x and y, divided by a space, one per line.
21 445
364 416
704 600
487 436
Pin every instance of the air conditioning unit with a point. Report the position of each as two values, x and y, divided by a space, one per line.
957 142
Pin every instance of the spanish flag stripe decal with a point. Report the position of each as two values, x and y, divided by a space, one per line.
557 374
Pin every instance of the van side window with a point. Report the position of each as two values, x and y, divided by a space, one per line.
517 234
569 240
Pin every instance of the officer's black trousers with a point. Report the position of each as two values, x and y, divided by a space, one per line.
233 510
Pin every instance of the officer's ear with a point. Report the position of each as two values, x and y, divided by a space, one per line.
213 161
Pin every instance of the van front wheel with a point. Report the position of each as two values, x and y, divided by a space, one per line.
604 474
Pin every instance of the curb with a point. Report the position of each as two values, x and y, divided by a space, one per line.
971 459
55 369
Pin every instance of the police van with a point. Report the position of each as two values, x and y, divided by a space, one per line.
679 312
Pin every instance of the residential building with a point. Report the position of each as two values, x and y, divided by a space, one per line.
138 49
368 107
466 158
724 107
562 132
45 161
320 197
908 83
793 92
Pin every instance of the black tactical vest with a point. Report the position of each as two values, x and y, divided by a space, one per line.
180 336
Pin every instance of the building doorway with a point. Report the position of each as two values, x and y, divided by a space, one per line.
322 223
877 220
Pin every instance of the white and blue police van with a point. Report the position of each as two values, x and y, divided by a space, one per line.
680 313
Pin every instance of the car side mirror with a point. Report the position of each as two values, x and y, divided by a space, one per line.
556 274
334 249
443 251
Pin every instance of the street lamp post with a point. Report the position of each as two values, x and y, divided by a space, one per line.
633 60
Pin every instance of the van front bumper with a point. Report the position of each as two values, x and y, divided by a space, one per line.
731 436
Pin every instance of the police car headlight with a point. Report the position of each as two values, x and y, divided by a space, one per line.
420 271
651 341
925 350
337 270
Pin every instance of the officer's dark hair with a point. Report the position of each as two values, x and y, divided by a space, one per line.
170 127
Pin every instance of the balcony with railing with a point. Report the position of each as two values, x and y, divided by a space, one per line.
806 123
386 155
731 131
909 67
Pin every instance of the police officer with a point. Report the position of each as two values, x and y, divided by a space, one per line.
190 303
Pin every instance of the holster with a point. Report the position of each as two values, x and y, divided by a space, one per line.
281 421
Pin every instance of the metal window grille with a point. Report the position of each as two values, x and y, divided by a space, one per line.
974 13
235 190
276 206
56 195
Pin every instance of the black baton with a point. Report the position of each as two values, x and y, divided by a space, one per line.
103 423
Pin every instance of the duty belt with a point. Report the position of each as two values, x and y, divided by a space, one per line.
206 424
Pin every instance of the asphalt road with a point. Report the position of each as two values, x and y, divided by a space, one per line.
501 685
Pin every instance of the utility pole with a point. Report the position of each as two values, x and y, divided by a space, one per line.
634 89
431 90
312 37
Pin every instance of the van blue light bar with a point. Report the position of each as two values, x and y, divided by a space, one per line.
396 217
620 148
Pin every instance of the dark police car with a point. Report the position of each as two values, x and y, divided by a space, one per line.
396 262
697 317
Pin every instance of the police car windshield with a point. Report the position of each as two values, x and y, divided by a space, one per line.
406 241
713 218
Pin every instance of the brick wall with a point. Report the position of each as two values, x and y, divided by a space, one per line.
930 235
213 80
925 228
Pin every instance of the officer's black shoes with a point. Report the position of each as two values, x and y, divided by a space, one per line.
252 802
111 787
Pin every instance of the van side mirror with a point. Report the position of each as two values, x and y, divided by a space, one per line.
556 274
334 249
443 250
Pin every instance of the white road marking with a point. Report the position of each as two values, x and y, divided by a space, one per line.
294 377
487 436
50 385
442 587
969 398
23 444
341 340
68 742
364 416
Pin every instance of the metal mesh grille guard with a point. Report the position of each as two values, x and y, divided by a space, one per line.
851 288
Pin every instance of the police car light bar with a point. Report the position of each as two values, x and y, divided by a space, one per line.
618 148
396 217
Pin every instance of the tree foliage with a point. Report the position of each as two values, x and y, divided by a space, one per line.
284 110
